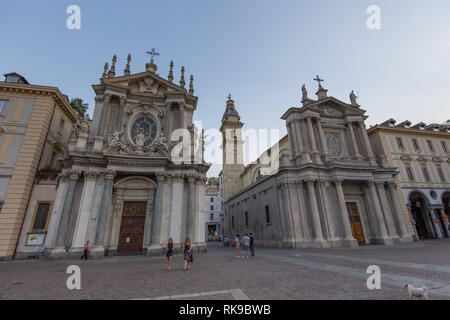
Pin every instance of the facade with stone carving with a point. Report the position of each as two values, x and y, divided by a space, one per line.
421 153
121 188
327 187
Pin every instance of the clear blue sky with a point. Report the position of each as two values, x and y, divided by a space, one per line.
260 51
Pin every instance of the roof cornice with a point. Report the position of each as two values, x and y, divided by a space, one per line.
53 92
408 131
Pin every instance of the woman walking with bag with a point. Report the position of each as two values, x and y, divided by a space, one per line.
169 254
187 254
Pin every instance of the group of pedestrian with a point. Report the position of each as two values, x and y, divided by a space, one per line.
187 254
247 243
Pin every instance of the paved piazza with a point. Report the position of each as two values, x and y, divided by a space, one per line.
272 274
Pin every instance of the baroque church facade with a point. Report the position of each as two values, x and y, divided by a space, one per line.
120 188
328 188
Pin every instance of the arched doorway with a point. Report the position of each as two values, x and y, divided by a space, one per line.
419 211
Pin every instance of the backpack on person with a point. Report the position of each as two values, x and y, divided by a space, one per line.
233 244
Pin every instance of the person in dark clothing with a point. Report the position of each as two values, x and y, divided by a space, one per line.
252 241
187 254
86 251
169 253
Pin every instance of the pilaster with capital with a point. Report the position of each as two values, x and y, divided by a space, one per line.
176 208
104 207
378 212
156 240
322 140
72 177
318 235
385 204
324 184
398 212
191 221
84 212
348 235
353 139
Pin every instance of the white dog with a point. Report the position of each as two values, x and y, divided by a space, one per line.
421 293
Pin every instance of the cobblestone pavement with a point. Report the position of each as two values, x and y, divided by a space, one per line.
218 275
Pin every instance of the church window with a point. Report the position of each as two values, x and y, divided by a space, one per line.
410 174
211 208
144 131
400 143
416 145
3 106
211 199
41 216
267 215
232 222
441 174
430 146
61 126
211 217
425 173
246 218
444 146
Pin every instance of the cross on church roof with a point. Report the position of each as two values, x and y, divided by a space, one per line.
229 96
153 53
318 80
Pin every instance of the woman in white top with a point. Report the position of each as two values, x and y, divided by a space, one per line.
236 245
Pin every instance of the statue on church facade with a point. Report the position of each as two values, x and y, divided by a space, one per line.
353 98
115 139
304 93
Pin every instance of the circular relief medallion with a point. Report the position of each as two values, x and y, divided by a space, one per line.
143 131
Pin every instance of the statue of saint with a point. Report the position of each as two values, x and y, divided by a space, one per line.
115 139
140 137
84 125
304 93
353 98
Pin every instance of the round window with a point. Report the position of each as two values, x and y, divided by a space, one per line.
143 132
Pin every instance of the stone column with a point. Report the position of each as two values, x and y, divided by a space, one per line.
84 211
318 236
64 221
299 136
322 138
348 235
56 213
323 185
182 111
177 208
191 216
288 227
156 241
101 127
353 138
200 213
367 143
398 212
413 221
387 210
378 212
312 138
436 225
119 118
103 212
293 139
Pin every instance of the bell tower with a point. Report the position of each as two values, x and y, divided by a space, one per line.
232 150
